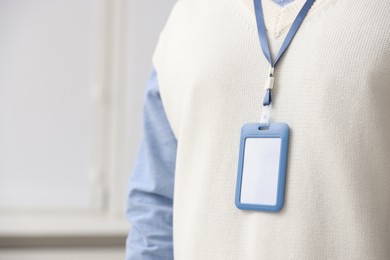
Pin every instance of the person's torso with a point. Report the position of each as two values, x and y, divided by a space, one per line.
332 87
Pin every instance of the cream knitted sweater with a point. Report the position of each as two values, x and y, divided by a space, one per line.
332 87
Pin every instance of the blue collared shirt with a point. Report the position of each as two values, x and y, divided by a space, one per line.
150 195
150 189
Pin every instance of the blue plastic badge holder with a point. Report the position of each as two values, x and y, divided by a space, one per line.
262 166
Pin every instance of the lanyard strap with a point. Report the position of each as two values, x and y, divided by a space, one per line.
264 42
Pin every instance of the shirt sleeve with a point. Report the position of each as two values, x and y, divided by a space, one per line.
150 189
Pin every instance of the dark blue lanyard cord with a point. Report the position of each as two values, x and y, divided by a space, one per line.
290 35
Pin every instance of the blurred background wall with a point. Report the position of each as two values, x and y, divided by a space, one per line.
72 79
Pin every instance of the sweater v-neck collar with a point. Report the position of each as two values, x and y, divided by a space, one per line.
277 18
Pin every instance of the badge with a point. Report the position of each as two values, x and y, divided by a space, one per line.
261 174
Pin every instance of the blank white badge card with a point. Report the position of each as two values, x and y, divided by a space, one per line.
261 171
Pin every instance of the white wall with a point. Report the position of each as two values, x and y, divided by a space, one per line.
72 80
48 68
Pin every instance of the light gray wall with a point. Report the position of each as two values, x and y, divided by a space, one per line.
28 52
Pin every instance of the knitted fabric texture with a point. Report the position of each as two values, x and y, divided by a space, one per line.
332 87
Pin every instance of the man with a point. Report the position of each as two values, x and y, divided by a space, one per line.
332 87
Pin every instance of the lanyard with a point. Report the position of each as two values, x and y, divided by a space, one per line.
264 46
